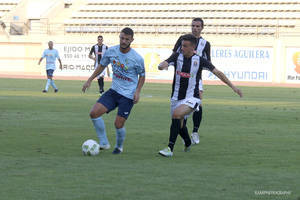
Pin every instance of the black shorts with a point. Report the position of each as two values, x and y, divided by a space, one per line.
111 99
49 72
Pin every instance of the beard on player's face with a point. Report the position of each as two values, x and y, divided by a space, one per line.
125 40
124 45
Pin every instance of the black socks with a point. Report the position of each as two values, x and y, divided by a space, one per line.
174 131
197 118
101 84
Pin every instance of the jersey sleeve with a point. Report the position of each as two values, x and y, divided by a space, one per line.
105 59
92 50
207 65
172 59
44 54
57 55
177 45
141 68
207 51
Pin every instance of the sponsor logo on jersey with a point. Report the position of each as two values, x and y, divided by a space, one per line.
184 74
120 65
119 76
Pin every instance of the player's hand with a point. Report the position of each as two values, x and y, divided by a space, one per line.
86 86
163 65
238 91
136 97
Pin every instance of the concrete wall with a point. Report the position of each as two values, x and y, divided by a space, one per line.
20 54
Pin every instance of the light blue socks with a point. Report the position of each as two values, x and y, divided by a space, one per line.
47 84
120 137
101 133
50 82
53 85
100 130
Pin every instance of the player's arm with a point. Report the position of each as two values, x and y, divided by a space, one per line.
40 60
58 58
224 79
207 51
107 68
209 66
103 63
141 82
43 56
165 64
177 45
142 74
92 57
60 64
97 71
91 54
108 72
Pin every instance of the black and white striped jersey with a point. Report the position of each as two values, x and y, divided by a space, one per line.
98 51
187 73
202 49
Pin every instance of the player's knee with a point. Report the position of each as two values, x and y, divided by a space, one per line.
119 124
201 94
176 115
94 114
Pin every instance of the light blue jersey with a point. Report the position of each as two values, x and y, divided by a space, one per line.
126 68
50 55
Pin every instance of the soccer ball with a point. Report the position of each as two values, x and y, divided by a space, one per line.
90 148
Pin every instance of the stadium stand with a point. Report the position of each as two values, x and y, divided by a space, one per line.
11 19
6 6
173 17
228 17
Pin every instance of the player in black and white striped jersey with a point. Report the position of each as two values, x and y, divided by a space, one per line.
185 89
202 49
98 50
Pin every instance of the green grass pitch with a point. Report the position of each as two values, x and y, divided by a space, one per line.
247 145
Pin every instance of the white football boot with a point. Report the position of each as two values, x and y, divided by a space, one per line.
104 147
195 138
166 152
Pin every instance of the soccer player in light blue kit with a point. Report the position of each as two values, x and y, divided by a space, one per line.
128 80
51 55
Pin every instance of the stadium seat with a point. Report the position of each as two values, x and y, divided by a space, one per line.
227 17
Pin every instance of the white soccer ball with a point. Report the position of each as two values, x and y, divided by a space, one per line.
90 148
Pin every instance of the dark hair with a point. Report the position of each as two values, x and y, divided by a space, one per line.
191 38
127 31
198 19
100 36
